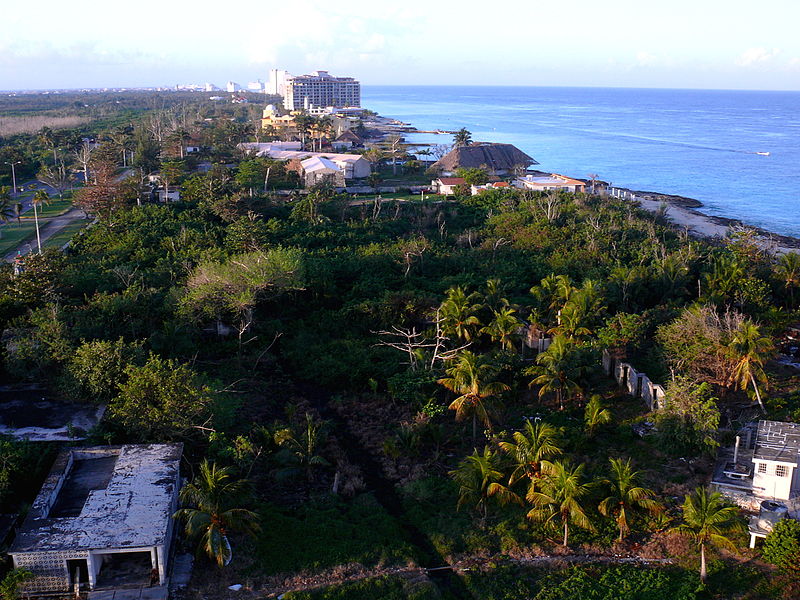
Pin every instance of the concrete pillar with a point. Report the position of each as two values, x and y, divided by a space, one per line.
162 565
154 557
93 569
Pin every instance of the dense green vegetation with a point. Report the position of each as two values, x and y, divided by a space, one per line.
363 367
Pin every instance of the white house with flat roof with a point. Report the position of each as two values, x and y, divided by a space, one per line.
98 508
541 183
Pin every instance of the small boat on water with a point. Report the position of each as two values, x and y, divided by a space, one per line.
763 153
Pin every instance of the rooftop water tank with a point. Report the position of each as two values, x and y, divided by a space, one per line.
771 512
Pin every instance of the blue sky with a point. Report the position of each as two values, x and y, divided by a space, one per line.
729 44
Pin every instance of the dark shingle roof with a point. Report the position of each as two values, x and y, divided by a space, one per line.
497 157
777 441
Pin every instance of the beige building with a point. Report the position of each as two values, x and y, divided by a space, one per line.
281 123
320 89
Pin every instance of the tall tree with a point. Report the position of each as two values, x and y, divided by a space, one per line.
462 137
213 497
625 497
300 450
101 196
458 314
788 269
530 450
471 379
503 327
478 477
560 501
749 350
595 414
556 370
707 521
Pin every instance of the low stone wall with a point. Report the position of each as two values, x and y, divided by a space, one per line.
637 384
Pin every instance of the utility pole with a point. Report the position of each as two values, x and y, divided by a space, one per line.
14 175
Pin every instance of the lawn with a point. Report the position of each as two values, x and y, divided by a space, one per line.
385 588
328 532
65 235
13 234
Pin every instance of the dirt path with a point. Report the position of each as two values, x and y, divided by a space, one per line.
48 229
430 560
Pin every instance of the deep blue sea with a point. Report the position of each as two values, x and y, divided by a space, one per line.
696 143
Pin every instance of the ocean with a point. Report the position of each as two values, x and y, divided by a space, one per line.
701 144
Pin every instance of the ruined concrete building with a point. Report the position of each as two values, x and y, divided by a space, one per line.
103 513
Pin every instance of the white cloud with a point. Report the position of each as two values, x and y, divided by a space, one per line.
755 56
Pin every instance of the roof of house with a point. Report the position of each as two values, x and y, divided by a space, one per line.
451 181
277 153
777 441
319 163
502 157
348 135
554 179
105 497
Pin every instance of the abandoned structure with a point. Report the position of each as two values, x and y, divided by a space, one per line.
100 508
762 464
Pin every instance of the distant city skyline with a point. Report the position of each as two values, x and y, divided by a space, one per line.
712 44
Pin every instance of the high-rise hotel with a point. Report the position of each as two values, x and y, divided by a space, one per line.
320 89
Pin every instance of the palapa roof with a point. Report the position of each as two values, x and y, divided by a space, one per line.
497 157
349 136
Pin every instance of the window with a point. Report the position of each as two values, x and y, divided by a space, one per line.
762 467
781 471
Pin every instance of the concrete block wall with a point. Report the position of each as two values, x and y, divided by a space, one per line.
637 384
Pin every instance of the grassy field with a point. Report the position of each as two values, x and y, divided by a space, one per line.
13 234
328 532
65 235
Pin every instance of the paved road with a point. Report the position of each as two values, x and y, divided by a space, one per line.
51 227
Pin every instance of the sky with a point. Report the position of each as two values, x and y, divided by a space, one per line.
718 44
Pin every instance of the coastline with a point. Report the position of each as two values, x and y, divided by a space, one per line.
683 212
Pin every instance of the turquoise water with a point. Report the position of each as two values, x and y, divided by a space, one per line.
696 143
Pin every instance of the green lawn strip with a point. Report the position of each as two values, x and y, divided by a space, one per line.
13 235
53 209
385 588
65 235
328 532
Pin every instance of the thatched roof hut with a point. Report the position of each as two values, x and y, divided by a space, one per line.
497 158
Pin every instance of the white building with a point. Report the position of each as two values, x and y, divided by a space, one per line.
320 90
541 183
763 464
101 507
277 82
232 86
256 86
353 166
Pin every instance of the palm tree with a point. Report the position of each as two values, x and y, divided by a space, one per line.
300 452
556 370
212 497
462 137
503 327
7 206
559 501
626 498
457 313
478 477
470 379
788 269
39 198
708 521
595 415
750 349
531 449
